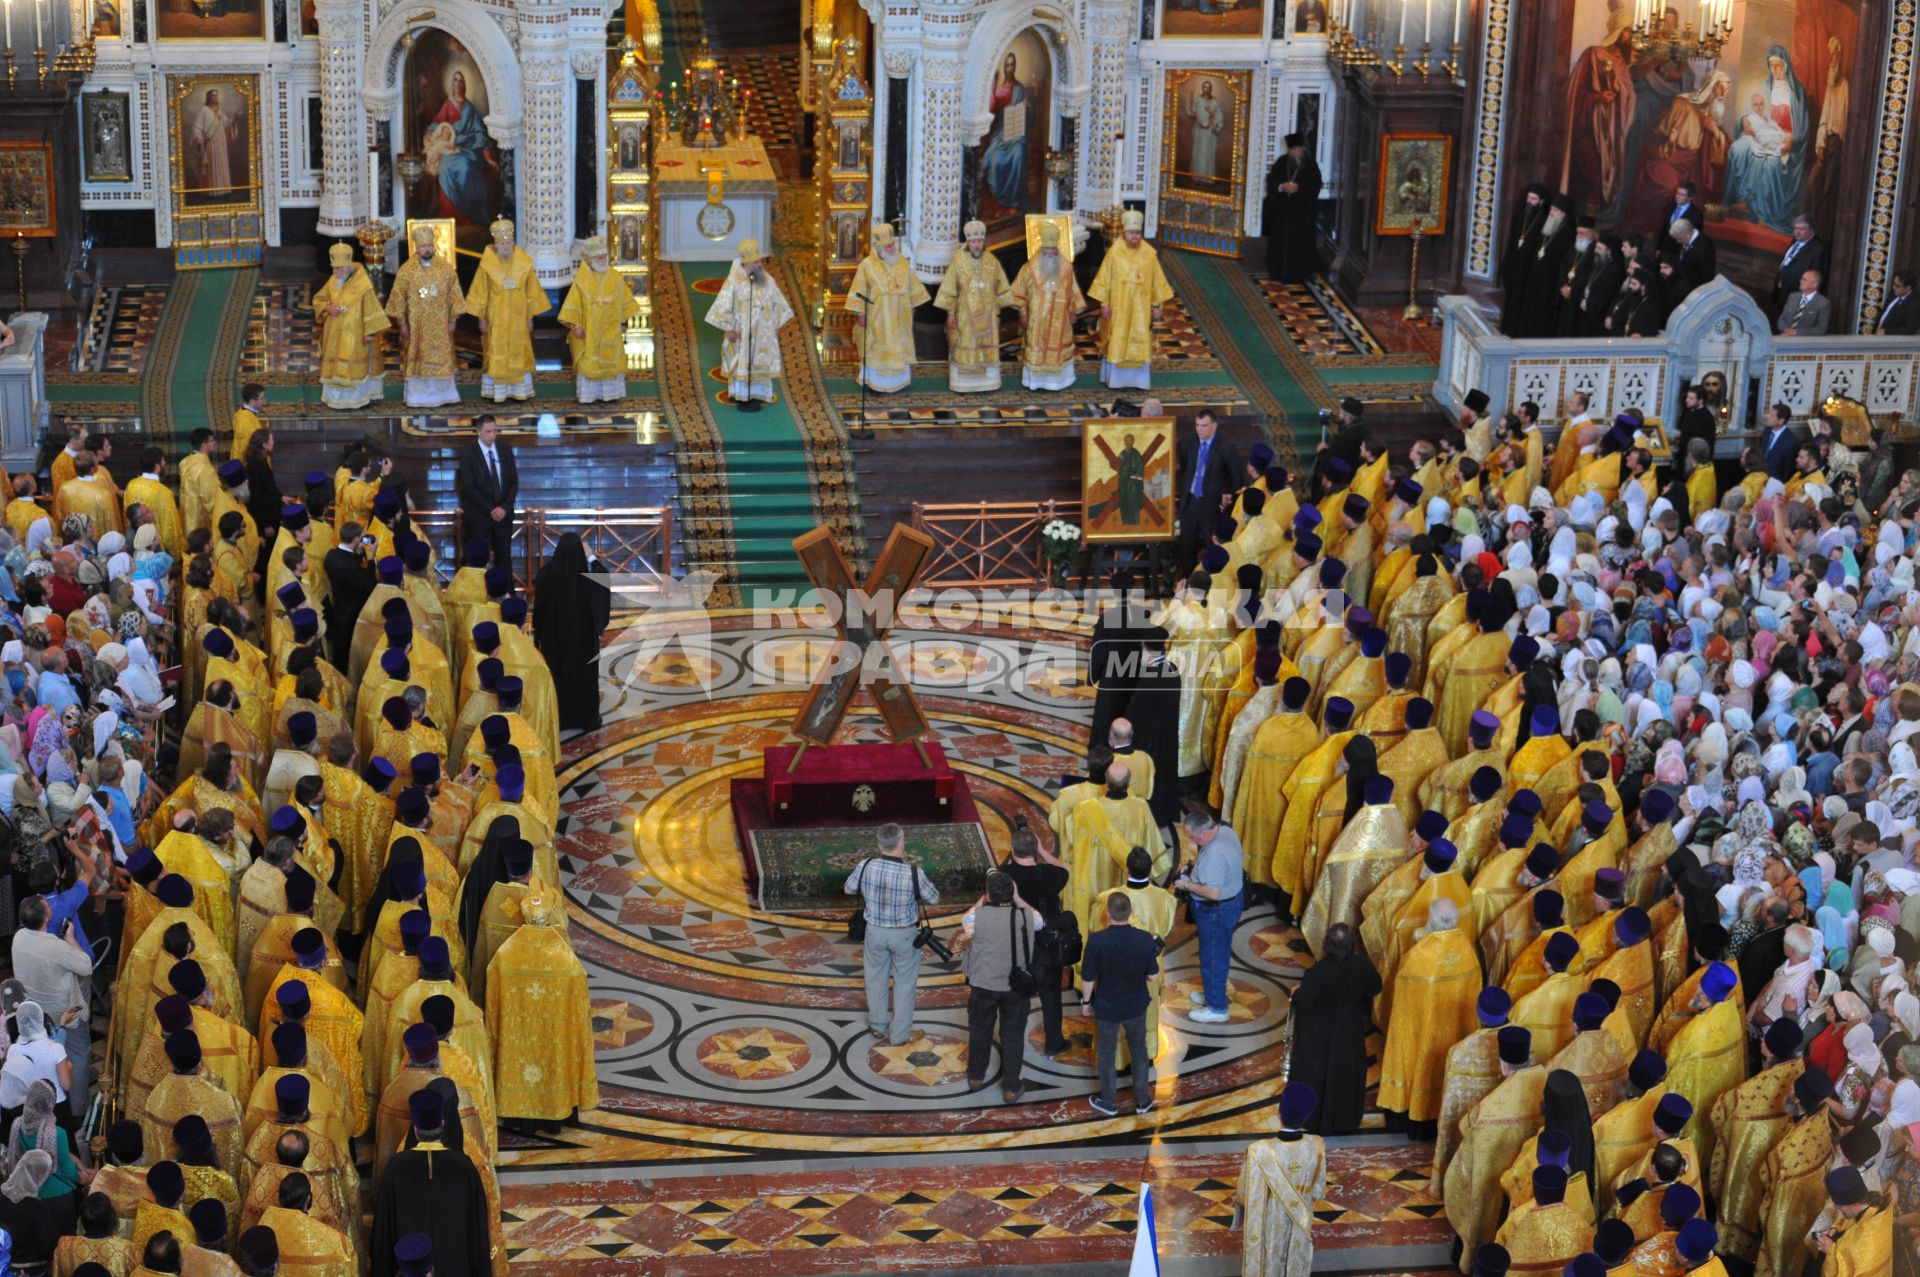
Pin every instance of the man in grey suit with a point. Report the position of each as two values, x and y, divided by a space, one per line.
1806 313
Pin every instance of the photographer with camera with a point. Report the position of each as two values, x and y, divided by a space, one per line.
894 894
1000 968
53 962
1038 880
1214 881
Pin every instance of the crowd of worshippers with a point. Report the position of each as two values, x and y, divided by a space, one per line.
1599 802
1564 278
311 909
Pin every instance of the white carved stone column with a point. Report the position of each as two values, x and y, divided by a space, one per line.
544 165
1108 26
343 120
934 210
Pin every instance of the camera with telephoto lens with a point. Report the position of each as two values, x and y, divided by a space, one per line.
925 939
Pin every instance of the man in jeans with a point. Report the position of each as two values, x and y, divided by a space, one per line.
1214 880
1114 973
892 892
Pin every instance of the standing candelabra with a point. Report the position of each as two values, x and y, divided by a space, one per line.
20 266
1412 312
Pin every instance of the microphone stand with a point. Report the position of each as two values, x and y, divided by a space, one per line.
864 342
749 404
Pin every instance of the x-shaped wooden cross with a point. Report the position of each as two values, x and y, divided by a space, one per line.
860 656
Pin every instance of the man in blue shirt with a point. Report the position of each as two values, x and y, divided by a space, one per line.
1114 972
893 892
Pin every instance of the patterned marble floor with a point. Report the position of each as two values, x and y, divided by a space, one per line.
748 1122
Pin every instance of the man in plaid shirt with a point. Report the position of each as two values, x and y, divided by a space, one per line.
892 892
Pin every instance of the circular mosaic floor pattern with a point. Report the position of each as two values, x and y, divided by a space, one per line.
713 1016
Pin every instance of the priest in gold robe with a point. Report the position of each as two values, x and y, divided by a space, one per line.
1471 1071
505 296
1793 1178
1544 1235
351 320
422 1058
502 913
1435 997
301 1246
1300 796
1449 789
597 307
188 1089
438 979
1624 1133
881 300
1240 721
1100 832
1594 1055
1408 615
327 1110
424 304
300 996
1259 807
1708 1055
750 310
1491 1135
1372 843
1048 299
1862 1239
972 292
1645 863
1130 289
1747 1122
1417 755
542 1022
1547 1011
1280 1181
1481 664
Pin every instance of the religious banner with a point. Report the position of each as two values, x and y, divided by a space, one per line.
26 189
1414 172
1126 479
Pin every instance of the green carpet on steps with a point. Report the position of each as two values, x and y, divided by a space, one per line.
765 457
196 356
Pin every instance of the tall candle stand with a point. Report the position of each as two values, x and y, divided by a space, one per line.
1413 311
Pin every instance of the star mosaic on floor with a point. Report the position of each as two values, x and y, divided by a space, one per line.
120 328
1318 331
1001 1213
